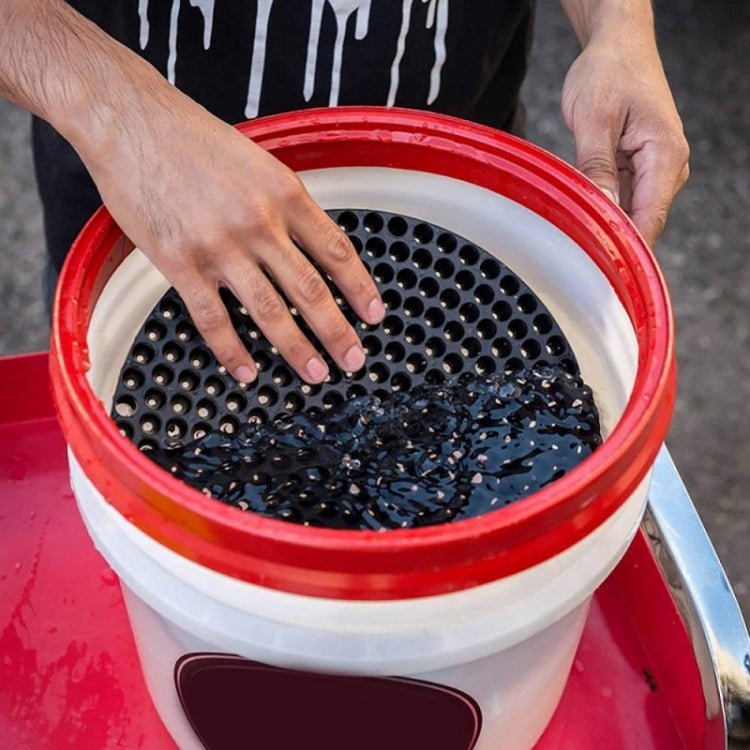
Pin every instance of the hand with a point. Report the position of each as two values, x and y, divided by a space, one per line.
212 209
629 137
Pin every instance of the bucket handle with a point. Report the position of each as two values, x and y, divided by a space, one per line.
704 598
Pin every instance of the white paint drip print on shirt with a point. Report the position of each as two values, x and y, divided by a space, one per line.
436 22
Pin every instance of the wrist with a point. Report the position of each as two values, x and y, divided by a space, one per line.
621 22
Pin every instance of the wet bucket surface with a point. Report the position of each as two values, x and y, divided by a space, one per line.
502 594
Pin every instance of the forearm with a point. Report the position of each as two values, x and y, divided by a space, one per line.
63 68
632 21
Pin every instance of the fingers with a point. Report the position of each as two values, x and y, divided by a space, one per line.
331 248
212 320
596 154
659 171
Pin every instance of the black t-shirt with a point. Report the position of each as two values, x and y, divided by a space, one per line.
247 58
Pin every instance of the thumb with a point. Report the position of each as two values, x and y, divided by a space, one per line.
595 157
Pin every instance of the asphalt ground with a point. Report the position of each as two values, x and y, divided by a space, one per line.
704 251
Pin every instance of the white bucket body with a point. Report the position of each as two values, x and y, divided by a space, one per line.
508 644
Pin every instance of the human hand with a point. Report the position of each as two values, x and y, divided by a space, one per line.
211 209
628 134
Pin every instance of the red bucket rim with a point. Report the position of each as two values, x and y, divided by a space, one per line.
410 562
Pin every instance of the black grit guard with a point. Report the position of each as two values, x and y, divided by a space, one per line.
470 397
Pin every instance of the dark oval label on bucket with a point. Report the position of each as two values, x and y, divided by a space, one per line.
232 702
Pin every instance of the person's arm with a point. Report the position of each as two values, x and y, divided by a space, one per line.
617 102
205 204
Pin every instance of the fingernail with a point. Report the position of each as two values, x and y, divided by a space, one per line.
354 359
316 370
610 195
245 374
375 311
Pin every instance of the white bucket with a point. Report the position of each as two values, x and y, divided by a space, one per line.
489 609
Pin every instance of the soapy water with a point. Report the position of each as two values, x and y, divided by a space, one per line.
436 454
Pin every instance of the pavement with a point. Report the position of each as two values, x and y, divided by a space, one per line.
704 251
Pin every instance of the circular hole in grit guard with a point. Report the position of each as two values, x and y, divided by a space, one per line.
188 380
199 357
401 382
372 222
555 346
429 287
214 386
434 317
416 363
332 399
509 285
205 409
162 375
393 325
446 243
502 311
200 430
423 233
375 247
464 280
469 255
434 347
489 268
406 278
176 429
132 378
531 349
348 221
236 402
391 299
394 351
185 331
383 273
173 352
228 425
399 252
485 366
470 347
371 345
143 353
502 348
379 373
281 376
542 323
180 404
293 402
355 390
454 331
257 416
422 258
484 294
444 268
449 299
125 406
413 307
517 329
397 226
527 303
453 363
468 312
149 424
155 398
155 331
414 334
486 329
170 309
125 429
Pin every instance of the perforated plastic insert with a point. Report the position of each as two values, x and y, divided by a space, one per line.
452 308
